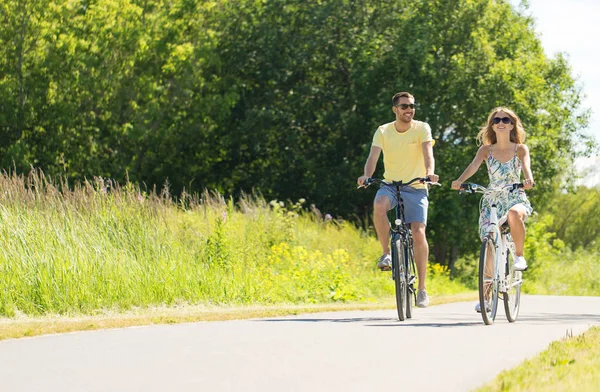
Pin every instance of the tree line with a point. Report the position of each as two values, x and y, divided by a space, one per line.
279 97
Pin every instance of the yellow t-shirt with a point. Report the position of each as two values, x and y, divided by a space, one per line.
403 157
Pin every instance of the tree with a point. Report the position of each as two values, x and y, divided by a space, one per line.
279 97
576 217
312 101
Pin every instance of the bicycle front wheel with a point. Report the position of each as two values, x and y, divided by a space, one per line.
488 282
399 276
411 279
514 280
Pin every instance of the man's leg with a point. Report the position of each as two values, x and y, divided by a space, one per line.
421 251
380 220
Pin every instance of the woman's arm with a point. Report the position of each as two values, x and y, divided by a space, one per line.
523 152
472 168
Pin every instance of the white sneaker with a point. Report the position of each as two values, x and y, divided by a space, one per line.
478 307
422 299
520 264
385 263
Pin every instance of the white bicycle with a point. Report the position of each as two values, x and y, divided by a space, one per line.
497 275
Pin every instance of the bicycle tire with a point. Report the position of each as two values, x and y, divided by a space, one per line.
411 278
399 276
488 283
514 280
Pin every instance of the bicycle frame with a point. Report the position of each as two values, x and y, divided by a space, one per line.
401 246
401 230
502 242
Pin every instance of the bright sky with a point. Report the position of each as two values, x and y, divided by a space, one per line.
572 27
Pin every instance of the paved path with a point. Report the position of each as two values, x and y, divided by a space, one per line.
449 349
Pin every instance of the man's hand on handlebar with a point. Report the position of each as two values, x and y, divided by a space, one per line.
361 181
433 177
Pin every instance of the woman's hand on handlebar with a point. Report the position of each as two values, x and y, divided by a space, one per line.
528 184
456 185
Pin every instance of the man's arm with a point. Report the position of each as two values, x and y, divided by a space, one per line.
427 148
370 165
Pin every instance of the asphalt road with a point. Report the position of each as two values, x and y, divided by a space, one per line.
443 348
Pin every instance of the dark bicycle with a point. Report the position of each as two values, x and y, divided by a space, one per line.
401 245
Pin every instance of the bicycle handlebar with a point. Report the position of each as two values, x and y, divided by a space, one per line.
476 188
422 180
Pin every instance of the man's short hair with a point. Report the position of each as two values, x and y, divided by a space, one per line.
397 97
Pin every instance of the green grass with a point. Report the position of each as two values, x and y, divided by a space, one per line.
554 268
99 247
570 364
567 273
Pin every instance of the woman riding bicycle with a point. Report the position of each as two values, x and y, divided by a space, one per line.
505 155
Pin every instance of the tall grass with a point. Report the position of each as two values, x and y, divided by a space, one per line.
97 245
553 267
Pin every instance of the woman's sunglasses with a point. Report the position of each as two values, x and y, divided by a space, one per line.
505 120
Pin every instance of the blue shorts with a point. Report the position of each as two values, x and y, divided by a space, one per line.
415 202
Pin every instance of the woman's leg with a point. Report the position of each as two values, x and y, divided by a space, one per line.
516 221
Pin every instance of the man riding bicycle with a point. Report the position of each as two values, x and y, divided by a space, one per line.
407 148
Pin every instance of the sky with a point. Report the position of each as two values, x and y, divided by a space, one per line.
572 27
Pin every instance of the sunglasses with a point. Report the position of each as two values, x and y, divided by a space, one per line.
405 106
505 120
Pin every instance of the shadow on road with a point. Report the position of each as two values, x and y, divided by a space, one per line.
450 320
428 325
446 321
331 320
553 318
390 322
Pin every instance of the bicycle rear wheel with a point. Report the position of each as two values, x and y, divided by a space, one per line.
399 276
488 284
411 279
514 280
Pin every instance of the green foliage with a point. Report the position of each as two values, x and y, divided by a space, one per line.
278 97
566 273
102 246
576 217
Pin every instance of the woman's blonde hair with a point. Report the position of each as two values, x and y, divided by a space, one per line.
487 135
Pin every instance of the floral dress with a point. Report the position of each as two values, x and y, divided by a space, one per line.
502 174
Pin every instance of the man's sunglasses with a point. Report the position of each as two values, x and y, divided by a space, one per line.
405 106
505 120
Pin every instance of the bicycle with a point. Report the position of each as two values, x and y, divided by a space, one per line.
401 245
496 262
